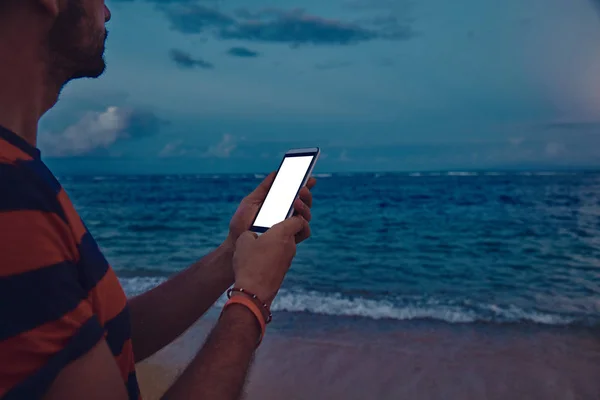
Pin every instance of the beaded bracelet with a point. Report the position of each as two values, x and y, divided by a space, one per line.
253 297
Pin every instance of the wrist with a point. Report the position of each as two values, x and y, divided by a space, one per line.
253 291
266 313
228 245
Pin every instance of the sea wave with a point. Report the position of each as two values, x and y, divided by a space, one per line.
461 173
140 284
335 304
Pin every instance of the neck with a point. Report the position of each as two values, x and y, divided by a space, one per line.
26 91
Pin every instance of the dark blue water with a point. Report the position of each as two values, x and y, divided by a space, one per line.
459 247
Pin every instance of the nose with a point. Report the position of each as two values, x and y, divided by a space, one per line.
106 14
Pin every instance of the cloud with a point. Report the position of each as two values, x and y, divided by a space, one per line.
185 60
99 131
224 148
297 28
195 18
242 52
272 25
227 145
375 4
333 65
172 149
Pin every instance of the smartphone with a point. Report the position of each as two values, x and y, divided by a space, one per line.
292 175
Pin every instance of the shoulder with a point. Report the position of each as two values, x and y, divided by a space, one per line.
33 226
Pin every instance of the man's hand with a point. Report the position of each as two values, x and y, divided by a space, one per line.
260 263
220 368
160 315
249 206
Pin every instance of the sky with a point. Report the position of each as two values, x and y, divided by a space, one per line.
214 86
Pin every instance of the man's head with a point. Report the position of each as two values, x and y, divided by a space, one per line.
68 35
76 39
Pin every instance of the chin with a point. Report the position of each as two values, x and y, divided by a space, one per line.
90 72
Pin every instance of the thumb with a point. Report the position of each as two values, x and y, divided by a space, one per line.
261 190
246 239
291 226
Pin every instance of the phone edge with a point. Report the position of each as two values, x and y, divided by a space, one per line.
317 150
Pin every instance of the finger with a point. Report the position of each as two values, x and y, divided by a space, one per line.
289 227
246 239
306 196
261 190
304 234
302 209
311 182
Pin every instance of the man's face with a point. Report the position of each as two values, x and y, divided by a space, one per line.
76 41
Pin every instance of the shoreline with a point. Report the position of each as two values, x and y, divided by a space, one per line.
418 360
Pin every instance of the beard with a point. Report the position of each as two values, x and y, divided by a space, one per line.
76 46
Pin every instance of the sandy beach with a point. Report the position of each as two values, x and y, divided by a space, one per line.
406 360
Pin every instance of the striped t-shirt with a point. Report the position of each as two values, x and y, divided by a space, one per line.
58 294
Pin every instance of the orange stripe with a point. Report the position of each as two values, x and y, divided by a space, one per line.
31 240
11 153
108 296
125 360
73 218
25 353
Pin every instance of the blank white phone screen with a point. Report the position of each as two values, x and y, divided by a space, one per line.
283 191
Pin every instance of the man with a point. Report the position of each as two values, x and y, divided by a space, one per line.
67 330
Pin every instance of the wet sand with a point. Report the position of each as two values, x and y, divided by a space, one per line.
363 359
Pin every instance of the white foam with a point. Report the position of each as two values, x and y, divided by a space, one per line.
137 285
413 308
514 314
399 309
461 173
336 305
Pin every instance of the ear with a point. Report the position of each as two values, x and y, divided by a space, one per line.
52 7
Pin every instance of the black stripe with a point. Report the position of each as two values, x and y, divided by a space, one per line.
132 387
118 330
36 297
37 384
42 172
19 142
92 264
22 190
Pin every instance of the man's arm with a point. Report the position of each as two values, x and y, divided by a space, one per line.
218 371
160 315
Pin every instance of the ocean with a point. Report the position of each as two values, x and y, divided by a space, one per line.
494 257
